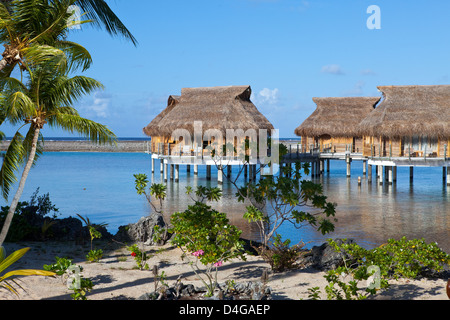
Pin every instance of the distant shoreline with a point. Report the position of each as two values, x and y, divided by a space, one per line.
79 145
87 146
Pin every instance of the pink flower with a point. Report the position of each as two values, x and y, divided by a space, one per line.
218 264
198 253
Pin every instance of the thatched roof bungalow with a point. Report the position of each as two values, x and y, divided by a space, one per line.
410 121
332 126
218 108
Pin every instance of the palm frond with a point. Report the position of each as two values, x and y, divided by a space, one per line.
19 106
11 160
67 91
99 11
92 130
38 55
4 13
12 84
78 55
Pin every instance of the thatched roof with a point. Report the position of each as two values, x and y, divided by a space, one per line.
410 110
217 107
337 117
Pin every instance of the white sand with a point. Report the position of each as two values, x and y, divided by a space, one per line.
115 276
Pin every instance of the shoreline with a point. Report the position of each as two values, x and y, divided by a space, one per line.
123 145
116 278
87 146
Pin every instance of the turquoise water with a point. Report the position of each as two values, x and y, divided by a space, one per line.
101 187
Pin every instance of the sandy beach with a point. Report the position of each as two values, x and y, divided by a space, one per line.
115 277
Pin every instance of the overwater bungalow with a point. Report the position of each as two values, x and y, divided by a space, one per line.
331 128
410 122
194 120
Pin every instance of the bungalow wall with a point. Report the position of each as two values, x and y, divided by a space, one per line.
327 143
167 146
404 147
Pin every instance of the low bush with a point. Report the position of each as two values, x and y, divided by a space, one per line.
281 255
370 270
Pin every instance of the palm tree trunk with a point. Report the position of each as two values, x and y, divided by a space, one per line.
3 64
19 191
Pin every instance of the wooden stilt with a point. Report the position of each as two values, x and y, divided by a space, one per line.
208 172
177 172
348 160
165 167
380 174
390 178
220 174
448 176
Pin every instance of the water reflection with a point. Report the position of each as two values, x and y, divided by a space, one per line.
370 213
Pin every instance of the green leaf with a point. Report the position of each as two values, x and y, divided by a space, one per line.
11 161
13 257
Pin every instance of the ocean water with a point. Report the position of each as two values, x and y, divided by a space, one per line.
101 187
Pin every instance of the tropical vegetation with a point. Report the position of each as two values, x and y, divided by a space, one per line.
7 279
46 91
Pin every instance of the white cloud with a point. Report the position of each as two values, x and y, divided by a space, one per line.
333 69
368 72
266 96
357 89
100 104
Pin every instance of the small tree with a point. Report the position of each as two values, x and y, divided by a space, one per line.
275 200
292 200
158 192
206 234
93 255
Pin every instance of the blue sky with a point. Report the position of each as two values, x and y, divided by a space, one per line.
288 51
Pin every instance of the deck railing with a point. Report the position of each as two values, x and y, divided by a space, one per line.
179 150
332 148
377 151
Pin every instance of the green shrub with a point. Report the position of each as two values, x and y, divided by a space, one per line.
84 287
206 234
75 281
94 255
281 255
60 266
29 221
139 256
396 259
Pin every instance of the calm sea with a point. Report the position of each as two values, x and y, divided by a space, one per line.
101 187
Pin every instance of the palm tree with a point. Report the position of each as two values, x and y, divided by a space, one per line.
99 11
46 98
32 30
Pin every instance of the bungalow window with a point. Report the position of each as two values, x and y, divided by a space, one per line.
415 143
432 144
